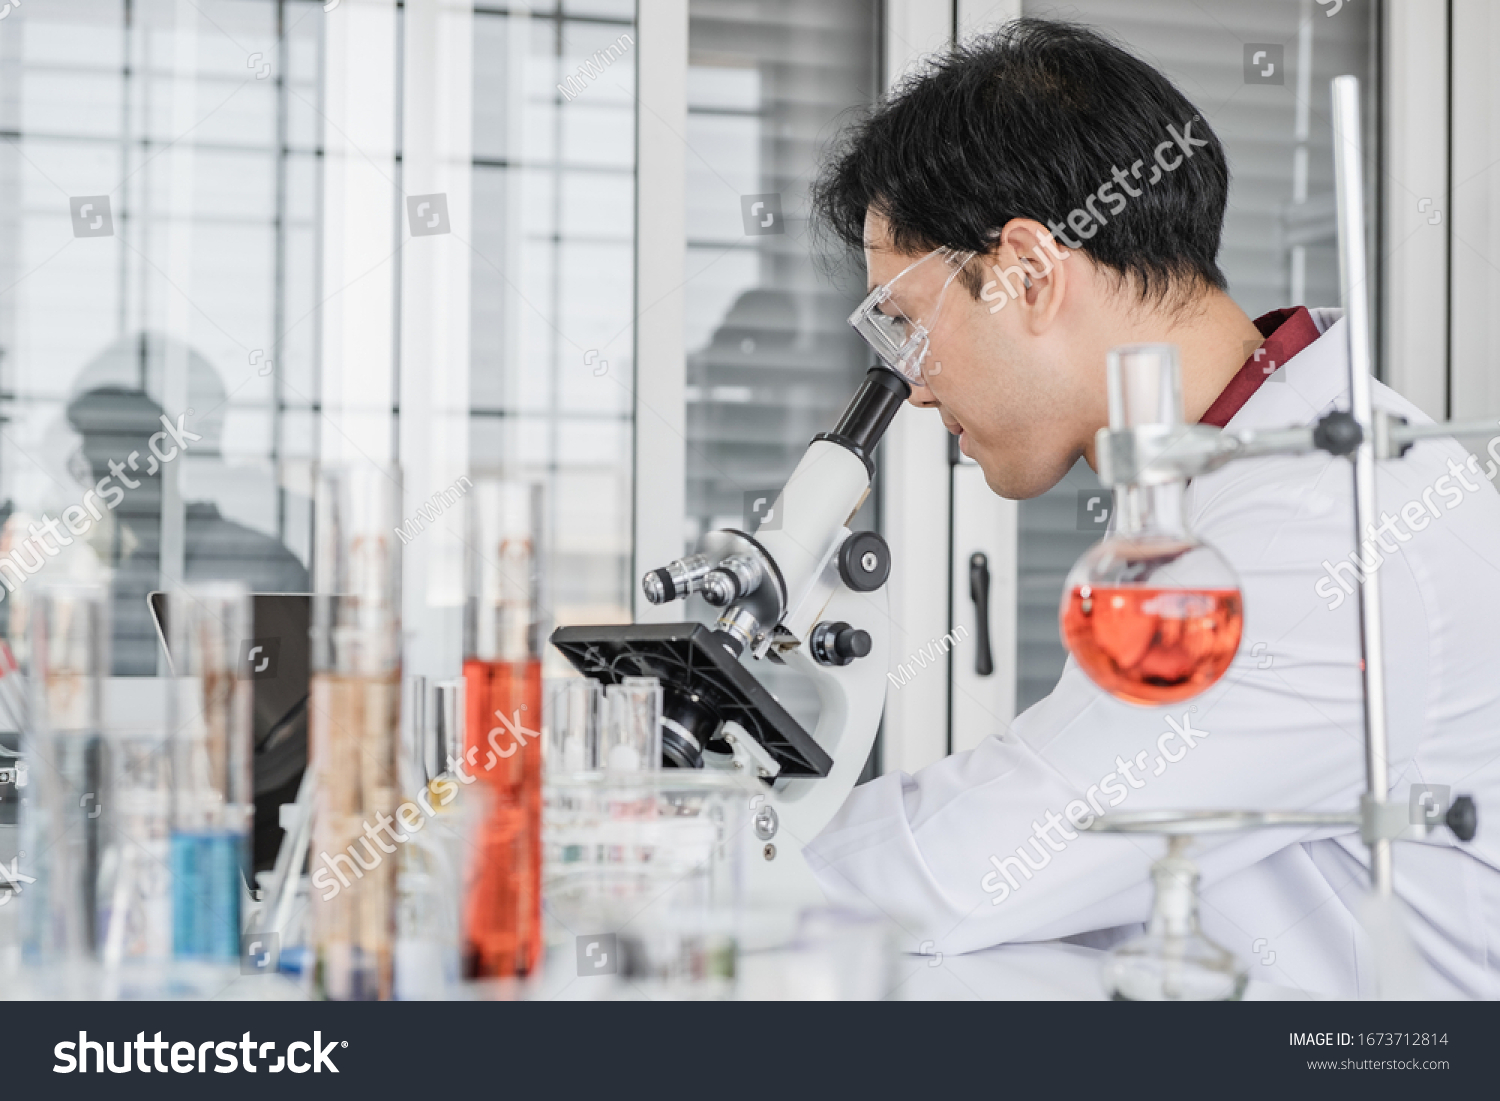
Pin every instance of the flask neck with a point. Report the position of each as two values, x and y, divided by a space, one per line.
1151 510
1175 911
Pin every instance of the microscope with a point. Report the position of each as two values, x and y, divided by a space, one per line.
803 591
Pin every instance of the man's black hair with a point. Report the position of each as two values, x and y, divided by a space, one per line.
1030 122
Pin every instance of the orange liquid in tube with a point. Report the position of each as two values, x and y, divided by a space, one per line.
1153 645
503 911
502 916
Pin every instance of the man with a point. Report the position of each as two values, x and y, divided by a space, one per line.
114 423
1029 202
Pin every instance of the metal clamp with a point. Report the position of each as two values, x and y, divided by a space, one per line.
1381 821
1157 454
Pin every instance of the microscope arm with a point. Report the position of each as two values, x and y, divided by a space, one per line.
851 699
773 585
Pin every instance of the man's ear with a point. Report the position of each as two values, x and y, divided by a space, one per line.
1027 270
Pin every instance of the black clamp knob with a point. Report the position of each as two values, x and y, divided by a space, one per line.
1338 433
837 643
864 561
1463 818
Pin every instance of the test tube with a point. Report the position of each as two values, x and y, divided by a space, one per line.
354 729
503 701
631 737
212 773
572 724
431 881
416 720
444 742
62 829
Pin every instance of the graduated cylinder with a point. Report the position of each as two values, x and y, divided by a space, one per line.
354 709
503 696
212 779
64 832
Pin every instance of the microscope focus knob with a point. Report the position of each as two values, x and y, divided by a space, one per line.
1463 818
837 643
864 561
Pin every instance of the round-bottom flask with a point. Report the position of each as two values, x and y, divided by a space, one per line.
1152 618
1151 614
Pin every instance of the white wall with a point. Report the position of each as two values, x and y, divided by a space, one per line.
1474 214
1416 209
660 270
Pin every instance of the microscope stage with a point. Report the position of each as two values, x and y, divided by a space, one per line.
690 661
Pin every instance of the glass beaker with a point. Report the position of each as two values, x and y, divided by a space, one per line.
354 730
1172 960
644 875
1151 614
503 701
572 716
630 735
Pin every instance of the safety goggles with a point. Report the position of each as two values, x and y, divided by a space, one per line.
898 339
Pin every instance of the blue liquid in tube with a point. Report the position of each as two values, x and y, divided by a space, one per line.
206 894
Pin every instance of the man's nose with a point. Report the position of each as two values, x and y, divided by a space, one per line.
922 397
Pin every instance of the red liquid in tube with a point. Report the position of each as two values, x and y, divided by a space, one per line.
1153 646
503 909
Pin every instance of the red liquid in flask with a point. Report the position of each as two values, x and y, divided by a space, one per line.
1153 646
503 912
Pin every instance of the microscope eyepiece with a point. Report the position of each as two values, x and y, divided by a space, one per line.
869 413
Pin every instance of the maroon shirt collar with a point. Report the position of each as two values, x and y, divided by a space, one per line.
1287 332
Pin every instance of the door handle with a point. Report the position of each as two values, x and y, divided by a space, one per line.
979 593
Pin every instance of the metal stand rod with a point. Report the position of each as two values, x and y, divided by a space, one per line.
1355 288
1410 433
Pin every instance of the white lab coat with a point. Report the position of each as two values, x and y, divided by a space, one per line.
1282 730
